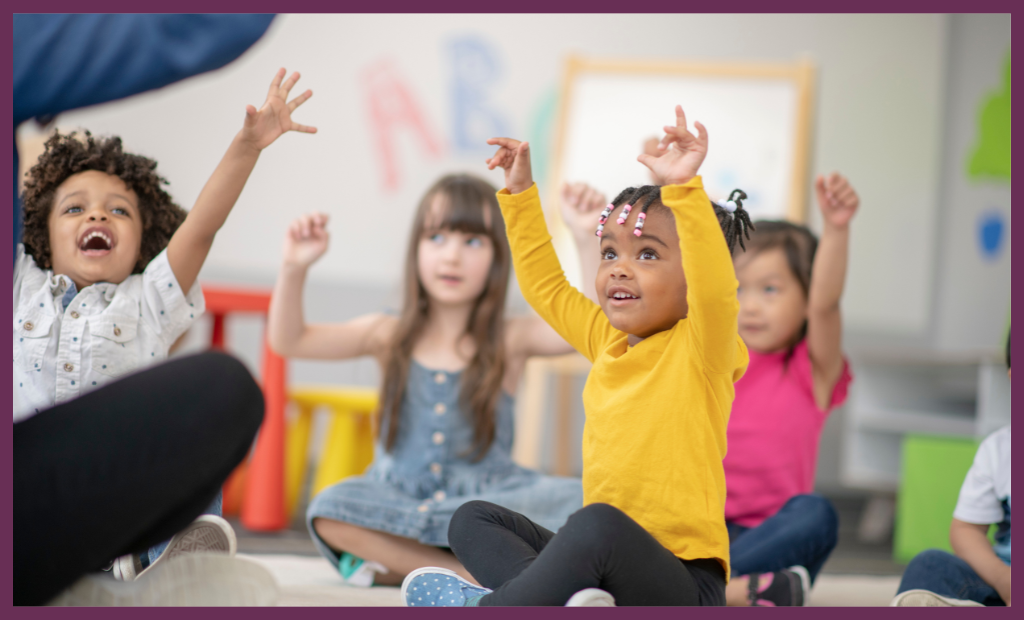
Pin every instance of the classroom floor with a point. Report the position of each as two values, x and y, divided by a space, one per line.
857 575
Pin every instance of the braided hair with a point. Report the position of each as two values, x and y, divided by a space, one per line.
732 217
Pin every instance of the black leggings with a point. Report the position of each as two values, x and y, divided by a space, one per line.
598 547
125 467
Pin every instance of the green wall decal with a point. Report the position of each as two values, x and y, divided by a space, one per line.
991 156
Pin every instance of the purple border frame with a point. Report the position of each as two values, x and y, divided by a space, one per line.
444 6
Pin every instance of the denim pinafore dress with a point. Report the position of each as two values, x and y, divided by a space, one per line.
414 490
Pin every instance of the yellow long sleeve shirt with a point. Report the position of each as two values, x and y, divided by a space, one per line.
656 413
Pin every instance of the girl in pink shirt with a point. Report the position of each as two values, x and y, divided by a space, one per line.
780 534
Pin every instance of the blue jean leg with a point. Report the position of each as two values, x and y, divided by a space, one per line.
802 533
216 508
947 575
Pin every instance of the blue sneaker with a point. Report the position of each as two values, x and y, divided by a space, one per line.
439 587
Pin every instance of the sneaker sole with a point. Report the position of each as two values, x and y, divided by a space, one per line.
207 534
925 598
591 597
805 583
196 580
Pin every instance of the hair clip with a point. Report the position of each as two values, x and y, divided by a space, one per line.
639 228
604 214
625 214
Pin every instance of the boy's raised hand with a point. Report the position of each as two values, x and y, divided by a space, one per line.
837 199
581 206
681 152
512 156
306 240
265 125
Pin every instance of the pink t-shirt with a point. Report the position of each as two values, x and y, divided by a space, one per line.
773 434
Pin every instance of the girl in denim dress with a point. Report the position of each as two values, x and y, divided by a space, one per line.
451 361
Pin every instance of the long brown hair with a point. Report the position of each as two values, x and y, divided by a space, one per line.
469 206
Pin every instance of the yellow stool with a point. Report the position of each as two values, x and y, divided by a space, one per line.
348 448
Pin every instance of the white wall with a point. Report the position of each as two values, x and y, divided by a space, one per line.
880 103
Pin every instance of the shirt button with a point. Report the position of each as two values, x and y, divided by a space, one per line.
69 367
440 378
435 468
439 496
438 438
74 314
423 508
117 331
29 326
439 408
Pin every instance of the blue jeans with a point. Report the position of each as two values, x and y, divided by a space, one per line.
802 533
215 508
947 575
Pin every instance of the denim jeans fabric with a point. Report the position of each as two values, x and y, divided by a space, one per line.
215 508
413 490
947 575
802 533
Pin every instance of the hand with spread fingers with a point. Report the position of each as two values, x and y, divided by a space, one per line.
265 125
682 153
581 205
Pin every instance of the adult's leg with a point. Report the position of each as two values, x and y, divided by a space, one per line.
947 575
125 467
803 533
598 547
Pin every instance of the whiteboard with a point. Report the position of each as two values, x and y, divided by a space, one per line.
757 118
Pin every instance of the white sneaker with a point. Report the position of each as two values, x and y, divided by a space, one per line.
193 580
591 597
357 572
208 533
925 598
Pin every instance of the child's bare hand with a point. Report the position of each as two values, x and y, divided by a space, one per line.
306 240
265 125
581 206
837 199
513 157
682 153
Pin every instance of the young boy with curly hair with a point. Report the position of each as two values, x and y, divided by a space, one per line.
105 280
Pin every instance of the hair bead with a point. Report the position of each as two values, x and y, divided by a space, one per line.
625 214
640 219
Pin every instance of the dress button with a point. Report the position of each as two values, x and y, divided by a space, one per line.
435 468
438 438
439 408
29 326
439 496
69 367
440 378
74 314
117 331
423 508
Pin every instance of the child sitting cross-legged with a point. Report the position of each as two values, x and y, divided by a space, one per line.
106 279
665 350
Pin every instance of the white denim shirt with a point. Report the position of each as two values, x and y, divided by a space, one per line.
104 332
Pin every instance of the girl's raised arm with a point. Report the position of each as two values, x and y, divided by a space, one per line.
289 334
838 203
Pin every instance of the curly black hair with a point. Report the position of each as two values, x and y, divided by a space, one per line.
67 155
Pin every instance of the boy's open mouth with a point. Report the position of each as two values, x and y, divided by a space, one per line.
96 241
621 296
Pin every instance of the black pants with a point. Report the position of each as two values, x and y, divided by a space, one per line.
125 467
598 547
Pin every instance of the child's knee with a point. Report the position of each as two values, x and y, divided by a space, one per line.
465 520
596 524
930 560
819 511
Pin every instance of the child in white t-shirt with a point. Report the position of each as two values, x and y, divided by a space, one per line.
979 573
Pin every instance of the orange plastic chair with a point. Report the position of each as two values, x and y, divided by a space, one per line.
348 446
258 486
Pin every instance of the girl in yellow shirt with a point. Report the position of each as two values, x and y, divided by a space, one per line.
665 354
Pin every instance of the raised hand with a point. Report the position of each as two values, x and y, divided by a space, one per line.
265 125
681 152
837 199
306 240
513 157
581 206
